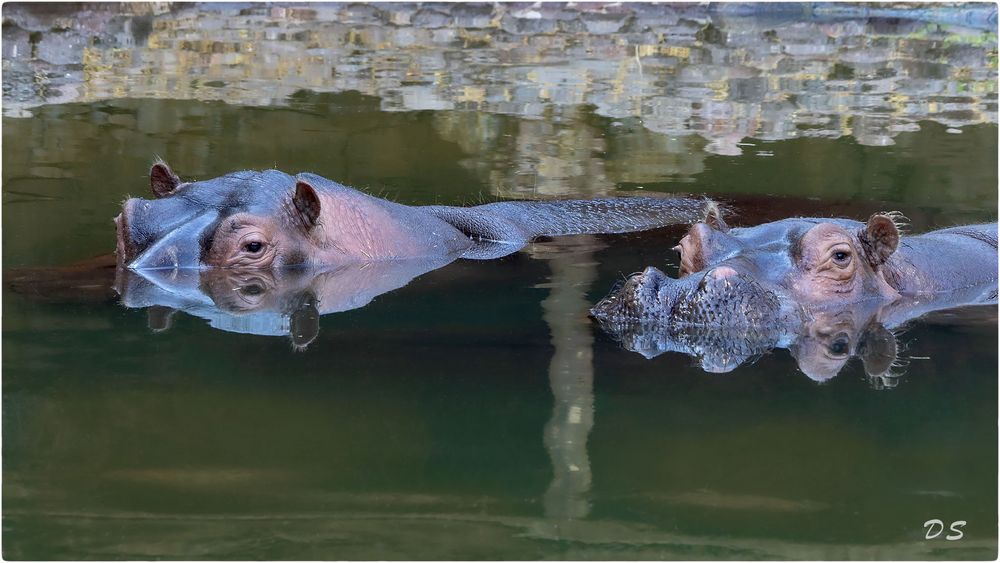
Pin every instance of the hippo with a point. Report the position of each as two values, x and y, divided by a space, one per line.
796 283
268 219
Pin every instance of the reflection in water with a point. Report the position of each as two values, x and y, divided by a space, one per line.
571 375
700 70
361 451
821 346
285 302
290 302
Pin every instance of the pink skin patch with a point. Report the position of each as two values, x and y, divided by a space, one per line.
721 272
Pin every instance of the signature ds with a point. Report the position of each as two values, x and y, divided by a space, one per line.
936 527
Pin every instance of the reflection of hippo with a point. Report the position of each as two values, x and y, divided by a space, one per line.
270 302
261 220
825 289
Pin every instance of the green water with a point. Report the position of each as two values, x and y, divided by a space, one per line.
476 412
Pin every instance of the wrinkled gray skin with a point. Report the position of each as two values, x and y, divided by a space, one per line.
745 291
271 220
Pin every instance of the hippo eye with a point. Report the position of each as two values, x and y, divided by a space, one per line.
842 258
252 290
840 347
253 247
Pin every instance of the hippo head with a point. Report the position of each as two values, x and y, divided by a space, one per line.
817 261
743 291
244 219
762 275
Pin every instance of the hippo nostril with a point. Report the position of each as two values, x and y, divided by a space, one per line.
652 281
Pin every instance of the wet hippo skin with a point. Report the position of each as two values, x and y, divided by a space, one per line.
269 219
798 282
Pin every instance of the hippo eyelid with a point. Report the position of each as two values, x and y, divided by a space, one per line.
793 239
795 246
841 248
207 239
840 245
295 258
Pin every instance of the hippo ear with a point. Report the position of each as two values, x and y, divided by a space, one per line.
303 324
162 180
713 216
160 318
879 239
307 203
878 349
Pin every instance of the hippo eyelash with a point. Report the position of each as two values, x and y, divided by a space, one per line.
840 249
258 247
845 259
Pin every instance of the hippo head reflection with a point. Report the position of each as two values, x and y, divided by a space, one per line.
830 339
821 345
286 302
821 350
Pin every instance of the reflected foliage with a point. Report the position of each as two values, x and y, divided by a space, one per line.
717 73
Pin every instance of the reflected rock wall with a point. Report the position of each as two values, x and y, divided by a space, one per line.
719 72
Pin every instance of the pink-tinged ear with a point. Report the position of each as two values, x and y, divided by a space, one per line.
303 325
878 349
879 239
307 203
162 180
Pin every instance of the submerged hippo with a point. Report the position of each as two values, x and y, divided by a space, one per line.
269 219
794 283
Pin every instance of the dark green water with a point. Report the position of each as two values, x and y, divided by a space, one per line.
476 412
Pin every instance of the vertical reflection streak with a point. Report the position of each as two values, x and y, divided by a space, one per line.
571 377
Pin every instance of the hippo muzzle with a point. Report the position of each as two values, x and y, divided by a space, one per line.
722 316
147 241
721 297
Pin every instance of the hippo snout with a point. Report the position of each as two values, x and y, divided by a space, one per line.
136 229
161 234
634 299
722 297
125 247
